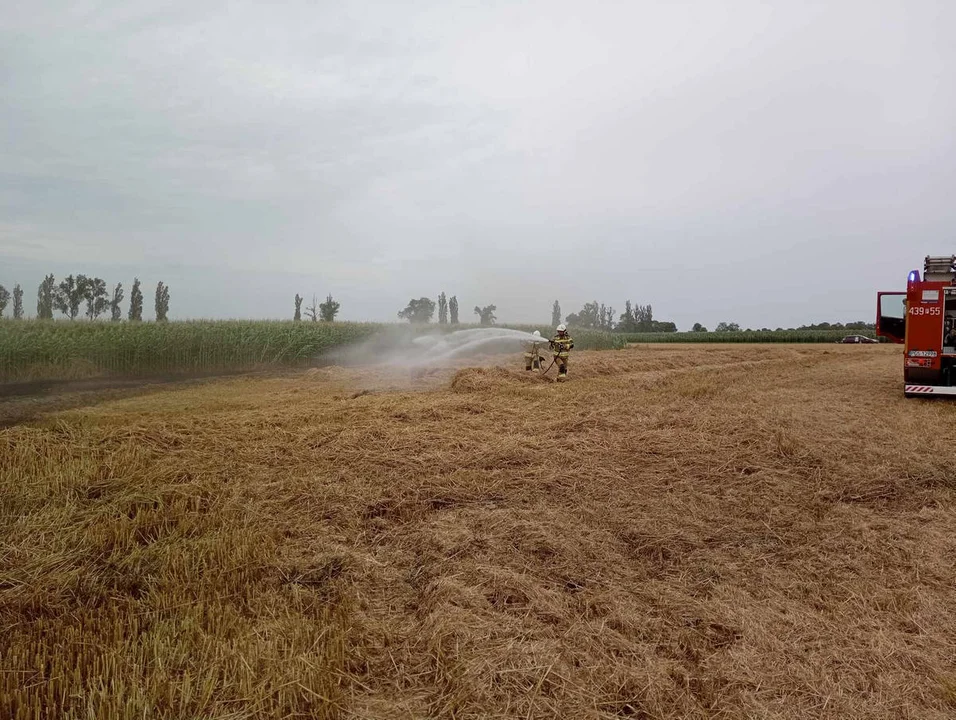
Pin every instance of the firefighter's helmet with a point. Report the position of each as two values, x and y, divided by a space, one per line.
562 328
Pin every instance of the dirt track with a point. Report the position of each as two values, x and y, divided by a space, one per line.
23 402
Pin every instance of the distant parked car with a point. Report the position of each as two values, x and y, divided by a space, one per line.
857 339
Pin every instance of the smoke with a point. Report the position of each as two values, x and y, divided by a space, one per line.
404 347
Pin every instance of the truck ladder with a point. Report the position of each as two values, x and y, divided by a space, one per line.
939 269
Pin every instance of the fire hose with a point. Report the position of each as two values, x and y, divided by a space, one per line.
553 361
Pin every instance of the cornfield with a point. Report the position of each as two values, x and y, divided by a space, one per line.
39 350
35 350
746 336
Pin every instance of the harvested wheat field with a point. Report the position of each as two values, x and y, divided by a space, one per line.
678 532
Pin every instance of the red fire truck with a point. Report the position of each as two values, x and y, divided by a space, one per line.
922 319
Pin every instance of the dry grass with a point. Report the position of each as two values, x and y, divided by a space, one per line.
679 532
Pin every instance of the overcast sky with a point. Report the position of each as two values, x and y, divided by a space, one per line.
769 163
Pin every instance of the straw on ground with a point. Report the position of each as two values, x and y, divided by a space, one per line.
747 531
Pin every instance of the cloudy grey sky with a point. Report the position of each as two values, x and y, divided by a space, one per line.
769 163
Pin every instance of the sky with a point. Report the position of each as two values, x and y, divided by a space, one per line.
768 163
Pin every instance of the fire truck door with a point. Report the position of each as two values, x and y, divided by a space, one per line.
891 315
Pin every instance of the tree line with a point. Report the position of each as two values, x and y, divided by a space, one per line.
422 310
858 325
593 316
89 294
325 311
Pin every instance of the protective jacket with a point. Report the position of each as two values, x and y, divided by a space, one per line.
532 355
561 346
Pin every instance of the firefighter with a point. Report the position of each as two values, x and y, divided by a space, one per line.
532 356
561 346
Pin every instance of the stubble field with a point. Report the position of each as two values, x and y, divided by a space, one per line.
678 532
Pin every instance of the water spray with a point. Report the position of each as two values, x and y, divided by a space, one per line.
435 348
